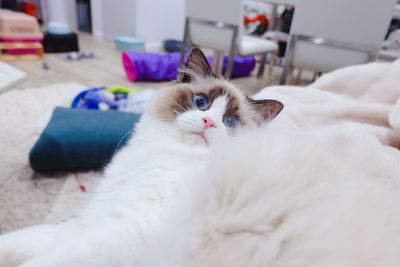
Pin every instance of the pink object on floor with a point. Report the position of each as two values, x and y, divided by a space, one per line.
130 68
21 51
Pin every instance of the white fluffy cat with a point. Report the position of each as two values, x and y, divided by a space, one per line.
171 143
204 183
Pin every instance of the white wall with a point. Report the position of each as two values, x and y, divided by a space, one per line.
118 18
63 10
160 19
97 20
152 20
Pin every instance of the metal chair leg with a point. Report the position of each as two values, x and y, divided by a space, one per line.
285 72
261 66
271 66
229 67
298 77
287 64
183 49
218 62
315 74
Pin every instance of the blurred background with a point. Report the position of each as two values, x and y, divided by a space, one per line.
271 39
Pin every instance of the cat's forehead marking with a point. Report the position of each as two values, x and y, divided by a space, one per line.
216 92
232 99
180 100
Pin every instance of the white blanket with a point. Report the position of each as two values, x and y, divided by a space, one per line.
363 95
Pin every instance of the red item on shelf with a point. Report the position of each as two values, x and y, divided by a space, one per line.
259 18
29 8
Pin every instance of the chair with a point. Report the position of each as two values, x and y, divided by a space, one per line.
326 34
218 25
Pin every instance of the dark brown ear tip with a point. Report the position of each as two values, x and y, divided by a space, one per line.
267 108
196 52
264 101
280 104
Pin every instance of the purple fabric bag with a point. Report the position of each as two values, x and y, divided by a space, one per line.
141 66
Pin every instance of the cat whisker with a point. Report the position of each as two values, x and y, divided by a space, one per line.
168 120
181 108
120 141
176 109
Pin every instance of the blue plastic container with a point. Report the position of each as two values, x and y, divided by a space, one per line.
58 27
172 45
124 43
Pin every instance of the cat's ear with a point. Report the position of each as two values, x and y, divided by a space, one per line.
267 108
196 66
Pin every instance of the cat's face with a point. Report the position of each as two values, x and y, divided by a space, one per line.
203 109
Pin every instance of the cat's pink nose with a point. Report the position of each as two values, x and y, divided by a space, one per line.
209 123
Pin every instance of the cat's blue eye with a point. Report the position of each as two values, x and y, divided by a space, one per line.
231 121
200 102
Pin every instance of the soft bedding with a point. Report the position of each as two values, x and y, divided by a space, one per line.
363 95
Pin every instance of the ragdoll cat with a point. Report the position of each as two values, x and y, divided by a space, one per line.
282 197
171 143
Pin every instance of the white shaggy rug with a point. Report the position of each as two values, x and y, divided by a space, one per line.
27 198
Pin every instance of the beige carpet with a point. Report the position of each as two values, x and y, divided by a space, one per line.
27 198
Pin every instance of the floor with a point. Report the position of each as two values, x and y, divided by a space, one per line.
106 69
28 198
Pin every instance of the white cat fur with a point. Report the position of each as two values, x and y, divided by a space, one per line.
285 197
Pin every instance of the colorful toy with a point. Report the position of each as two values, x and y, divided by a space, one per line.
102 98
160 67
137 103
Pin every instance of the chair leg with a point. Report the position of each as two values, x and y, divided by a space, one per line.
182 58
261 66
286 71
298 77
288 60
315 74
229 67
183 49
271 66
218 64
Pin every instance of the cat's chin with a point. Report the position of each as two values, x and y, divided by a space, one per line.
196 139
202 139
